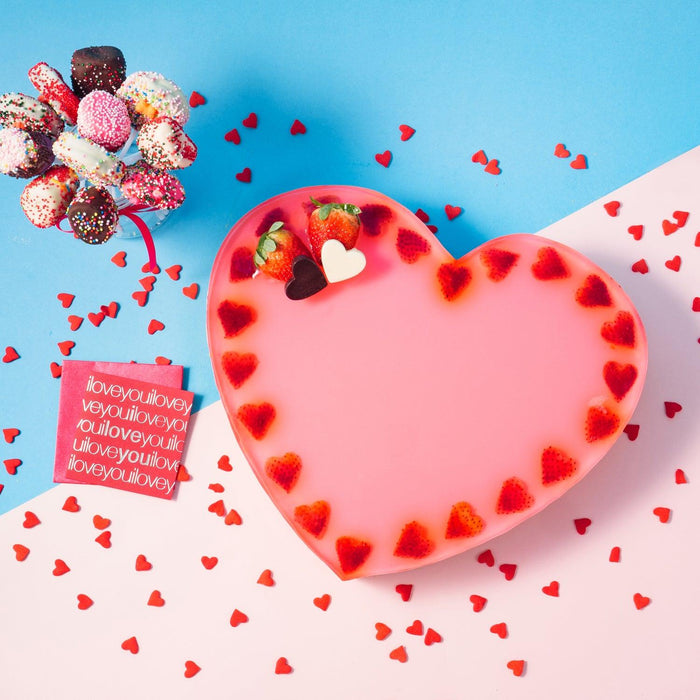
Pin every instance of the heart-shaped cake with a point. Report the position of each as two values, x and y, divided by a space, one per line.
427 404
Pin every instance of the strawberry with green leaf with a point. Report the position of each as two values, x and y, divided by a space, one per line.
333 221
276 251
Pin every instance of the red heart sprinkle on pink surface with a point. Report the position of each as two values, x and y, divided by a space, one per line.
480 157
613 208
11 465
101 523
10 354
10 434
131 645
478 602
191 669
619 378
154 326
508 570
406 131
96 318
156 599
681 218
104 539
674 263
697 240
182 473
75 322
680 477
297 128
560 151
517 666
246 175
640 601
432 637
384 158
251 121
119 259
486 557
637 231
579 163
415 628
671 408
514 497
196 99
65 347
257 418
663 514
21 552
414 541
614 555
191 291
266 579
669 227
233 136
238 367
224 463
552 589
383 631
581 525
404 590
238 618
142 564
453 278
56 370
65 299
640 266
218 508
452 212
282 666
500 629
322 602
549 265
492 167
174 272
209 562
30 520
141 298
399 654
160 360
620 331
593 292
84 601
60 567
696 304
216 488
632 431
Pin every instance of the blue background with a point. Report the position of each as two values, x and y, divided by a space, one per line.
616 81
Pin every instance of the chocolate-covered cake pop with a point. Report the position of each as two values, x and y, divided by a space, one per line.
93 215
97 68
24 154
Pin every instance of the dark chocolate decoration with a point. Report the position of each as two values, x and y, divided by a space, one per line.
93 215
97 68
307 279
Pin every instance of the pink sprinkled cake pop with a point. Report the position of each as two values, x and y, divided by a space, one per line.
104 119
151 187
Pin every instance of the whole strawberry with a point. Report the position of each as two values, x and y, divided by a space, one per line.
333 221
276 251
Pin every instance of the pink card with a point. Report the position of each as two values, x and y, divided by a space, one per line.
130 434
73 382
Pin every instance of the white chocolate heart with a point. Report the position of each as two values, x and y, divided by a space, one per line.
340 264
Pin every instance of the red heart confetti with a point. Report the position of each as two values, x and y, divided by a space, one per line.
637 231
10 354
383 631
322 602
282 666
154 326
486 557
668 227
142 564
614 555
84 601
422 216
65 299
75 322
416 628
30 520
11 465
560 151
60 567
96 318
104 539
579 163
492 167
613 208
182 473
399 654
680 477
671 408
209 562
478 602
696 304
697 240
146 267
233 137
681 218
217 488
452 212
156 599
663 514
500 629
384 158
131 645
141 298
218 508
174 272
552 589
632 431
297 128
517 666
196 99
238 618
674 263
224 463
101 523
148 282
21 552
508 570
65 347
246 175
432 637
480 157
191 669
581 525
191 291
56 370
404 590
110 309
119 259
640 601
640 266
266 579
251 121
406 131
160 360
10 434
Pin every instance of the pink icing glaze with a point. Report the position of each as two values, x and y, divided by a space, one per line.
104 119
402 404
151 187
